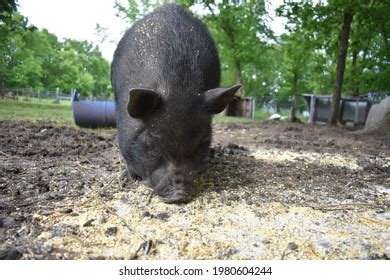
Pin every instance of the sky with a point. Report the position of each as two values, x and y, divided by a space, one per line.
77 19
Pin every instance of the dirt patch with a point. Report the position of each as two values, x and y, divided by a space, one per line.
271 191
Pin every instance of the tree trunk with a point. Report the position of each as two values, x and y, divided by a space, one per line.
239 77
385 36
335 106
2 91
354 73
292 116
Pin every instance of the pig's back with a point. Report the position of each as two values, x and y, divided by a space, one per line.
168 51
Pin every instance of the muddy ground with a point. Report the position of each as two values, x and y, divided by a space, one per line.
271 191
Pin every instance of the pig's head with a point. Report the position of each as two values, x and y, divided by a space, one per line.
175 138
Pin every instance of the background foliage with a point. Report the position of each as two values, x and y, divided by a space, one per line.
270 67
36 59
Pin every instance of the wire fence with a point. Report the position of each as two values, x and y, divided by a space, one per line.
54 95
25 94
376 97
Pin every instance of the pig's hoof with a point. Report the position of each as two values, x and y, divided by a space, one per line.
122 178
127 177
129 174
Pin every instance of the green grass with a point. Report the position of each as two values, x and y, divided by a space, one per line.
34 109
260 115
227 119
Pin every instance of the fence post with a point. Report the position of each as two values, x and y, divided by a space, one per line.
312 109
253 107
57 93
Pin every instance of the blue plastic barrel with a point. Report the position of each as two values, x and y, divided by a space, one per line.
93 114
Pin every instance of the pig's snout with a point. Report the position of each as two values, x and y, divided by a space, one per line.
174 190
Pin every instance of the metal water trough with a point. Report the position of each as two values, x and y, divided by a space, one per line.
93 114
352 109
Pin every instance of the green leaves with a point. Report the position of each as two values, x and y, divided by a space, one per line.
238 29
269 67
32 58
242 38
368 57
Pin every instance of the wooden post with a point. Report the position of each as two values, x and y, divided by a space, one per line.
253 107
313 102
356 117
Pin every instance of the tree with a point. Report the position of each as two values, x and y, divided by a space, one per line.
336 98
242 37
327 26
10 23
368 66
294 68
238 28
36 59
92 65
7 8
11 41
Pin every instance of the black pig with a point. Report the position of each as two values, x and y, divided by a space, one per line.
165 76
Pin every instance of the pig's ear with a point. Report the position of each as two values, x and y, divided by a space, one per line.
218 98
142 102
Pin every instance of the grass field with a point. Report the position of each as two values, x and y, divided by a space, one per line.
34 109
